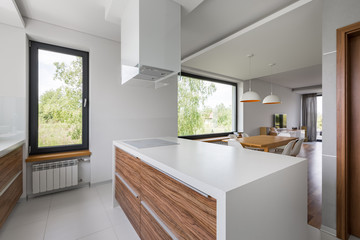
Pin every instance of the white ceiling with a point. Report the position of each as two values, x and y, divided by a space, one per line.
292 41
9 14
214 20
81 15
299 78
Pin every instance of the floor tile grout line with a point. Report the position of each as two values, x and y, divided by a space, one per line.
47 218
107 214
87 235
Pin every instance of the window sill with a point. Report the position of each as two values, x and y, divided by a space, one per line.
54 156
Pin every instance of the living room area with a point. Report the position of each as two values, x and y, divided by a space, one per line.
299 115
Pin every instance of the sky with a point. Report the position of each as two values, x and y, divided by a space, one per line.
319 105
222 94
47 69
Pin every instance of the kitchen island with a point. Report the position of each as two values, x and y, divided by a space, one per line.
182 189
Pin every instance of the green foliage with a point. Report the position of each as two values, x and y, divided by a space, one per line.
319 122
223 115
192 94
63 106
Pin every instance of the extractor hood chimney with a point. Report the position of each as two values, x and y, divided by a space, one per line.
150 40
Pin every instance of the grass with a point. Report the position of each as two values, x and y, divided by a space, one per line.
55 134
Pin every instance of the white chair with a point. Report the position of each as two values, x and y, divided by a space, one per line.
297 147
288 148
235 143
245 135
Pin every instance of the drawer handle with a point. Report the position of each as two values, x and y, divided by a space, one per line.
158 220
127 185
9 184
180 181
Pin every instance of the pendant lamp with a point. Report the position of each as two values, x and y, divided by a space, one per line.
250 96
271 99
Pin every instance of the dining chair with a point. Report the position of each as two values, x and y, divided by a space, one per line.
297 147
245 135
288 148
235 143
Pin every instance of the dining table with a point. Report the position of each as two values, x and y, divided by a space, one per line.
265 142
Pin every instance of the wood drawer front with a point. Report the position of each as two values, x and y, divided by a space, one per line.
10 165
129 203
150 228
9 199
128 167
187 213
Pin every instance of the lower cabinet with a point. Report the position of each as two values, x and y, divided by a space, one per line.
129 202
151 227
9 199
164 207
11 183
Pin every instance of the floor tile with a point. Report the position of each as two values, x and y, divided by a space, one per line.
107 234
30 211
117 216
76 224
105 194
126 232
31 231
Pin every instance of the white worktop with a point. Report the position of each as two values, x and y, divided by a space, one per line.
212 168
8 145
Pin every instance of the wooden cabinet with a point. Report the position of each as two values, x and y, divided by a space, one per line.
128 167
11 184
189 214
129 202
160 206
151 228
10 165
9 199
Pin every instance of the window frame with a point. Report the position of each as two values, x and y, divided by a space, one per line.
34 48
213 135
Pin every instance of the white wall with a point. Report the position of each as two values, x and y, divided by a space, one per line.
258 115
336 14
116 111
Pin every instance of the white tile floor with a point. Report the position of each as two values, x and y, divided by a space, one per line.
84 213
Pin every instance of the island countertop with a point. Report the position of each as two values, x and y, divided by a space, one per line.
212 168
251 188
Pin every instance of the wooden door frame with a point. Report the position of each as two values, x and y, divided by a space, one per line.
342 200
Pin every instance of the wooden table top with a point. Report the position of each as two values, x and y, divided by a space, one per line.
265 141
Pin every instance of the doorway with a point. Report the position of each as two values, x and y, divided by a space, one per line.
348 132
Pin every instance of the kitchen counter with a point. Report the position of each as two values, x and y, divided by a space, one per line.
8 145
212 168
257 193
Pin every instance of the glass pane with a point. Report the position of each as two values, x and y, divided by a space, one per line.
205 107
60 99
319 118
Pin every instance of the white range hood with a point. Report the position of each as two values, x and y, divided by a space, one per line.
150 40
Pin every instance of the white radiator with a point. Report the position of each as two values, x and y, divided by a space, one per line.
54 175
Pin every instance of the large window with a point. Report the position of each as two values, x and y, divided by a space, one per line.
206 107
59 115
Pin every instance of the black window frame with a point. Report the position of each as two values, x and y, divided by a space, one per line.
213 135
34 48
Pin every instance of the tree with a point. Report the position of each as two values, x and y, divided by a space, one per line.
64 104
192 94
223 116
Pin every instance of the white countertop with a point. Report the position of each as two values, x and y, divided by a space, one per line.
8 145
212 168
